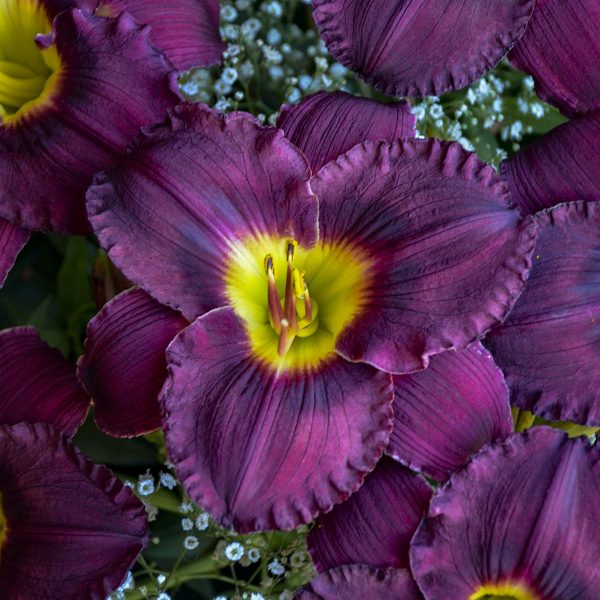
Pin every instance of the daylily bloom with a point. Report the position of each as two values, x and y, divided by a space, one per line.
68 528
73 93
309 292
12 240
419 47
519 521
564 165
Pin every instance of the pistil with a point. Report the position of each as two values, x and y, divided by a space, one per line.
275 312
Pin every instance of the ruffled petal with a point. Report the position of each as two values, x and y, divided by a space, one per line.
523 513
12 241
124 366
189 192
328 124
449 411
549 347
449 254
37 383
112 83
562 166
359 582
72 529
375 525
560 49
419 47
264 449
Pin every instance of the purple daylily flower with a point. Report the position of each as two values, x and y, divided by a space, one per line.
420 47
68 528
307 292
12 241
564 165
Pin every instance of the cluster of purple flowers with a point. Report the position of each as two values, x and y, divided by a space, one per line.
332 319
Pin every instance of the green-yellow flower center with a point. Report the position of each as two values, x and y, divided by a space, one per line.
296 301
28 74
503 591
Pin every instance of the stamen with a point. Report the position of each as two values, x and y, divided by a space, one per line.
308 310
275 312
286 337
289 306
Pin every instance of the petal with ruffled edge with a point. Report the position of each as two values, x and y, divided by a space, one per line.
124 365
189 192
449 411
549 347
72 529
12 241
262 449
560 50
359 582
561 166
328 124
449 254
112 82
420 47
375 525
523 512
37 383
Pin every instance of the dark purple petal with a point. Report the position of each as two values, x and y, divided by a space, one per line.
170 214
12 241
549 347
37 383
420 47
562 166
375 525
112 82
449 253
359 582
124 366
449 411
560 49
523 511
261 448
328 124
72 529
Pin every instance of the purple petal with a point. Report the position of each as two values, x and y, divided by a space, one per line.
375 525
419 47
12 241
449 253
124 366
264 449
37 384
524 511
449 411
72 529
359 582
113 82
192 188
562 166
549 347
560 49
328 124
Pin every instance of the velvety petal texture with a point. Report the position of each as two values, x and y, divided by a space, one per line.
112 82
12 241
375 525
37 383
560 49
72 529
359 582
264 449
549 347
449 411
525 512
328 124
561 166
420 47
188 192
449 253
124 366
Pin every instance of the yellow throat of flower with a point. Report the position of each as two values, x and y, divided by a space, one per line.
295 301
503 591
28 75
